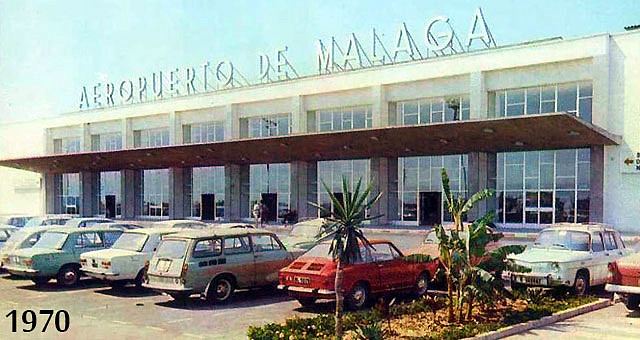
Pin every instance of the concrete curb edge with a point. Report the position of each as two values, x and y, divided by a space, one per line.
545 321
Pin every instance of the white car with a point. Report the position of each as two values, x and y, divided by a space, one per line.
5 233
125 261
193 224
569 254
22 238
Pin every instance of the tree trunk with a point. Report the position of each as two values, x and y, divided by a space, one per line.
470 306
450 294
339 300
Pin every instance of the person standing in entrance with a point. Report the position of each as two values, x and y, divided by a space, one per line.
264 213
256 213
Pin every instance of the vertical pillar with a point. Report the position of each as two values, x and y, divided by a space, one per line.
379 107
127 133
481 174
478 97
384 175
52 188
596 194
131 191
303 188
236 191
232 122
89 191
175 129
85 141
601 115
299 116
179 187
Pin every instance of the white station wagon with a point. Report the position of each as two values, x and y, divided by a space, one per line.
569 254
125 261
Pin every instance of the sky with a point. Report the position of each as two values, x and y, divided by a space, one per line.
49 50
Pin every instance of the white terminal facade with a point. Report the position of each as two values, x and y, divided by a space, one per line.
595 78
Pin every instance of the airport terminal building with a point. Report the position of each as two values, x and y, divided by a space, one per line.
553 126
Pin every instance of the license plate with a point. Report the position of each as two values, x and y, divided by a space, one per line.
163 265
302 280
94 265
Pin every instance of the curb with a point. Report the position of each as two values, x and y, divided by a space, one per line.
545 321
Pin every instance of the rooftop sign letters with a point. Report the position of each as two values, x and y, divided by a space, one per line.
438 39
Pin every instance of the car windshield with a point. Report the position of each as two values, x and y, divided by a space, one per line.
172 249
18 237
130 241
34 222
305 230
320 250
564 239
51 240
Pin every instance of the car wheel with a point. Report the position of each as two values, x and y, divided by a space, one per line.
422 284
220 290
358 297
307 302
40 280
68 276
581 285
139 279
633 302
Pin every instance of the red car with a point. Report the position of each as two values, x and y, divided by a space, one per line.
624 279
378 270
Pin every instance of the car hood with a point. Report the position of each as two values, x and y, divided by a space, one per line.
532 255
28 252
299 242
110 253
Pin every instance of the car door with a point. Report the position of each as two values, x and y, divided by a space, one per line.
240 259
363 269
599 261
391 268
269 257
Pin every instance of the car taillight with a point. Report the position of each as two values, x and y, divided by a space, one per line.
5 259
106 264
27 262
83 261
614 274
183 273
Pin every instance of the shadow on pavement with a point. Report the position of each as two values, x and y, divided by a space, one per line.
11 277
634 315
128 291
240 299
52 286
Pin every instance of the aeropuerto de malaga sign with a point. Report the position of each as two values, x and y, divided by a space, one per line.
439 39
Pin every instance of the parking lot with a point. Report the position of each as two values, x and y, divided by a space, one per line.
104 313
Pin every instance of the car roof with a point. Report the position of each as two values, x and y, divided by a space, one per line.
151 231
209 232
581 227
173 222
69 230
7 227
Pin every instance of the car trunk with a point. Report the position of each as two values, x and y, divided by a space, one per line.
309 272
629 269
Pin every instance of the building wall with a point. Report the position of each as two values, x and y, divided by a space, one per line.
610 62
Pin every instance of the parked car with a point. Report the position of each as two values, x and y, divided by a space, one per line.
84 222
48 220
231 225
23 238
216 261
379 270
125 261
624 279
569 254
192 224
57 253
304 235
17 221
121 225
5 233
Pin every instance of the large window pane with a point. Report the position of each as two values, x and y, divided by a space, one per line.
565 206
567 96
582 213
565 162
513 176
533 100
513 207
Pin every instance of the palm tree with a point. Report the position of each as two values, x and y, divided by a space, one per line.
344 223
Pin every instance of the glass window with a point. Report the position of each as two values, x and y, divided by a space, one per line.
155 192
582 210
207 180
384 252
596 242
567 97
345 118
236 245
263 243
513 207
207 248
110 237
533 100
85 240
609 241
565 206
271 125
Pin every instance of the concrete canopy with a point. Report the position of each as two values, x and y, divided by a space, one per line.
521 133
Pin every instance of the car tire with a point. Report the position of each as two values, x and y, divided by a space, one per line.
68 276
358 297
39 281
422 284
220 290
632 302
139 279
306 302
581 284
